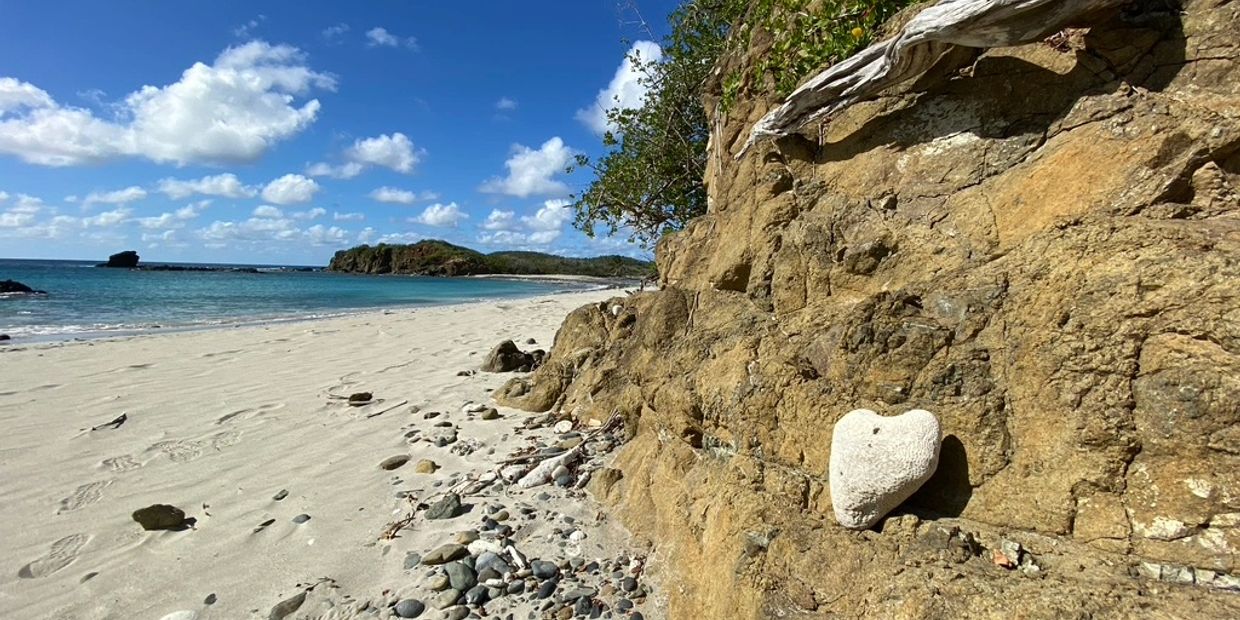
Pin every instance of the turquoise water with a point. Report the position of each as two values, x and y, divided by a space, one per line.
86 301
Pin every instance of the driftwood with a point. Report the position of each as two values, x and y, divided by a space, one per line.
921 43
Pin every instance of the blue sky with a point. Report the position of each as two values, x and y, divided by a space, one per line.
277 132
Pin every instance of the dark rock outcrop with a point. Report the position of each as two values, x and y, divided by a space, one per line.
506 357
13 287
1044 251
122 260
440 258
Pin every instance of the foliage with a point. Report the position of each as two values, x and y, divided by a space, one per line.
440 258
649 182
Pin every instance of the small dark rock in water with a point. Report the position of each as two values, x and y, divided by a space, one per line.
161 517
301 518
410 608
281 495
446 508
5 337
122 260
286 607
465 373
393 462
530 341
210 600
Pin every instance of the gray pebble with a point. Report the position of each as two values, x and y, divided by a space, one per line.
281 495
412 559
301 518
544 570
410 608
546 589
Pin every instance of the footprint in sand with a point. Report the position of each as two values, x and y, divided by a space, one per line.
85 495
182 451
62 554
120 463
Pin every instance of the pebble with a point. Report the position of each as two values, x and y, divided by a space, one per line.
460 612
466 537
477 595
546 589
301 518
438 583
544 570
393 462
628 584
446 599
490 413
563 426
444 554
281 495
210 600
410 608
577 593
412 559
460 576
446 508
425 466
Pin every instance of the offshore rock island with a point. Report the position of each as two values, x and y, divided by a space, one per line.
440 258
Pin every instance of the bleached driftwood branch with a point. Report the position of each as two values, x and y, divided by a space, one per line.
921 43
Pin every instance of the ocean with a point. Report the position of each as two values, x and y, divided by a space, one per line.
85 301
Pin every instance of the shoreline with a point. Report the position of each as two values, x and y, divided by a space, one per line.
293 490
19 339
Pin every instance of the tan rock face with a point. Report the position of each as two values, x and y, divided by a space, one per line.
1044 250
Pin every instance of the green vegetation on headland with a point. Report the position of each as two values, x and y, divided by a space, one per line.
649 182
440 258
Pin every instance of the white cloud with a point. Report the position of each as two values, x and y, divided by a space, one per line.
290 189
392 195
267 211
532 172
500 220
542 228
323 235
506 104
441 215
309 214
394 151
4 196
380 37
173 220
627 89
107 218
16 219
333 32
263 230
226 185
118 197
348 217
232 110
246 29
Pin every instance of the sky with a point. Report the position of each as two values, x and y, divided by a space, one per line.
279 132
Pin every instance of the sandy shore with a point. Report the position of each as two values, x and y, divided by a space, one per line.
221 423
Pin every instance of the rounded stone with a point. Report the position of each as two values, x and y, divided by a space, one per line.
409 608
878 462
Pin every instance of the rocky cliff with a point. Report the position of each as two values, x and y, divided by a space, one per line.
440 258
1041 245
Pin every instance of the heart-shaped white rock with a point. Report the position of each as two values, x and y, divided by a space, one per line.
878 462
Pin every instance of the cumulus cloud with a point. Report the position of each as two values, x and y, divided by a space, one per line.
393 195
290 189
532 172
348 217
395 152
267 211
310 214
500 220
441 215
264 230
542 228
173 220
627 89
117 197
506 104
380 37
232 110
107 218
224 185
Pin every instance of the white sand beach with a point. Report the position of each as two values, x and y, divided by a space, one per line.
219 423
